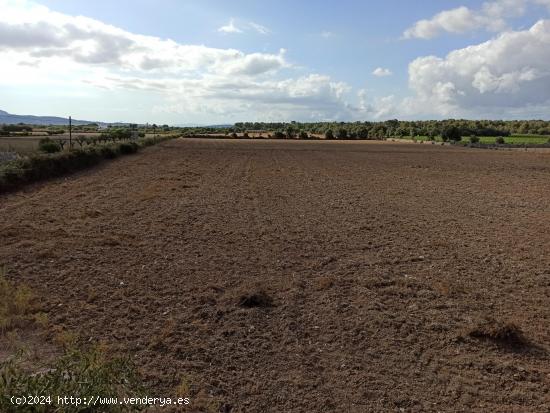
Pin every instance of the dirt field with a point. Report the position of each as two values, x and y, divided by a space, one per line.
382 261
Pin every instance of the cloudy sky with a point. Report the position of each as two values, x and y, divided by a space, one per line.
214 61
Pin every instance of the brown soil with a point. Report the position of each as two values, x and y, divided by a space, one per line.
303 276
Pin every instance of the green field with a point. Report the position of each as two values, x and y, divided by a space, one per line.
514 139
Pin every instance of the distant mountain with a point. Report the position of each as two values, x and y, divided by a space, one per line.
8 118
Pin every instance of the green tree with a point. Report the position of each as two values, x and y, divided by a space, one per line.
290 133
363 133
451 133
342 133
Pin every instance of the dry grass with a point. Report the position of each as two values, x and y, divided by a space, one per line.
16 306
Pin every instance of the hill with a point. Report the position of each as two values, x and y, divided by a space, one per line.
8 118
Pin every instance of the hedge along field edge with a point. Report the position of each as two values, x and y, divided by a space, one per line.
37 167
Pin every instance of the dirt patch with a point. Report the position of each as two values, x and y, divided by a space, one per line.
376 255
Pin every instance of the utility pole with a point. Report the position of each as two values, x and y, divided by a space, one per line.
70 133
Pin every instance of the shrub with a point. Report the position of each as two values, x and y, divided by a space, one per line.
499 140
108 151
81 140
279 135
329 134
127 148
474 139
303 135
49 146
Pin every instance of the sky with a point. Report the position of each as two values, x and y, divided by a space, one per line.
217 62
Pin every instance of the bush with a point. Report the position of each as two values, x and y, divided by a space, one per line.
49 146
108 151
329 134
117 134
128 148
279 135
474 139
303 135
499 140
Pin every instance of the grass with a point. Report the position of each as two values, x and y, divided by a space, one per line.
16 304
24 145
519 139
514 139
75 373
80 374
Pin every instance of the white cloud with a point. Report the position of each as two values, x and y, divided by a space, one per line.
509 72
259 28
230 28
381 72
42 47
309 97
491 17
326 34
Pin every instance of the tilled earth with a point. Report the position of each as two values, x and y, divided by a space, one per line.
302 276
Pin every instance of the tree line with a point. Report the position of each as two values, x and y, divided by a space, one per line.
396 128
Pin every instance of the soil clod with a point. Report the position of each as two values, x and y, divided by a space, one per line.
502 333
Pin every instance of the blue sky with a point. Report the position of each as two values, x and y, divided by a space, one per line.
283 60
